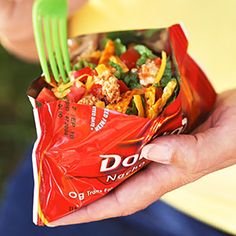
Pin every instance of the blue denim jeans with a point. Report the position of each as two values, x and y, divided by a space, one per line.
158 219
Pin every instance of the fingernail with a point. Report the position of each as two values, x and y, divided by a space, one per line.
51 225
160 153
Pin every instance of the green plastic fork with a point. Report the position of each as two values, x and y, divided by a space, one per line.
50 31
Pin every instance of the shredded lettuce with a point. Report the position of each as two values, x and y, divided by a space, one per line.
131 80
132 110
142 60
118 68
144 50
119 47
145 54
157 85
82 63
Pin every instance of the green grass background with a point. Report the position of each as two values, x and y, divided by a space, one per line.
17 130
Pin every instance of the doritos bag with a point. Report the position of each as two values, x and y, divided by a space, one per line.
126 89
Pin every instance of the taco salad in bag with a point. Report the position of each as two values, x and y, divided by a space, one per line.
125 89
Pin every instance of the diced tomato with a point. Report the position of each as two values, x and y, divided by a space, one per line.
84 71
158 61
46 95
158 93
96 90
130 58
76 93
95 73
123 86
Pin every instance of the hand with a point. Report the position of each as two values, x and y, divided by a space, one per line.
178 160
16 31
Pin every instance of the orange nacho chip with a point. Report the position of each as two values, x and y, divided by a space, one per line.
107 53
155 109
123 104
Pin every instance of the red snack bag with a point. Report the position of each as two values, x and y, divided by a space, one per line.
83 152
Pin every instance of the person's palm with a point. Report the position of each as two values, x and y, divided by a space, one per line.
184 158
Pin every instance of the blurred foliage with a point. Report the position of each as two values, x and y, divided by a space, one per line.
17 131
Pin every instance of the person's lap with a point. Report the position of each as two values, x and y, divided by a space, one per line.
158 219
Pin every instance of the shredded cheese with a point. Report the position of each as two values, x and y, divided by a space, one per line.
101 69
162 68
89 82
139 105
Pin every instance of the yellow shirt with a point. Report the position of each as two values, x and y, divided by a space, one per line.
212 36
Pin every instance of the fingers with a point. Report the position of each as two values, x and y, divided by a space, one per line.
148 185
131 196
185 158
103 208
171 149
15 20
190 152
16 31
201 153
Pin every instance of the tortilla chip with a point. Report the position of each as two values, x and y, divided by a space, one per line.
107 53
139 105
123 104
100 104
150 96
89 82
168 91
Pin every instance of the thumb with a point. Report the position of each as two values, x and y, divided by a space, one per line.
195 152
172 149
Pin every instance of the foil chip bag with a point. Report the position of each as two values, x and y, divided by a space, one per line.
125 90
